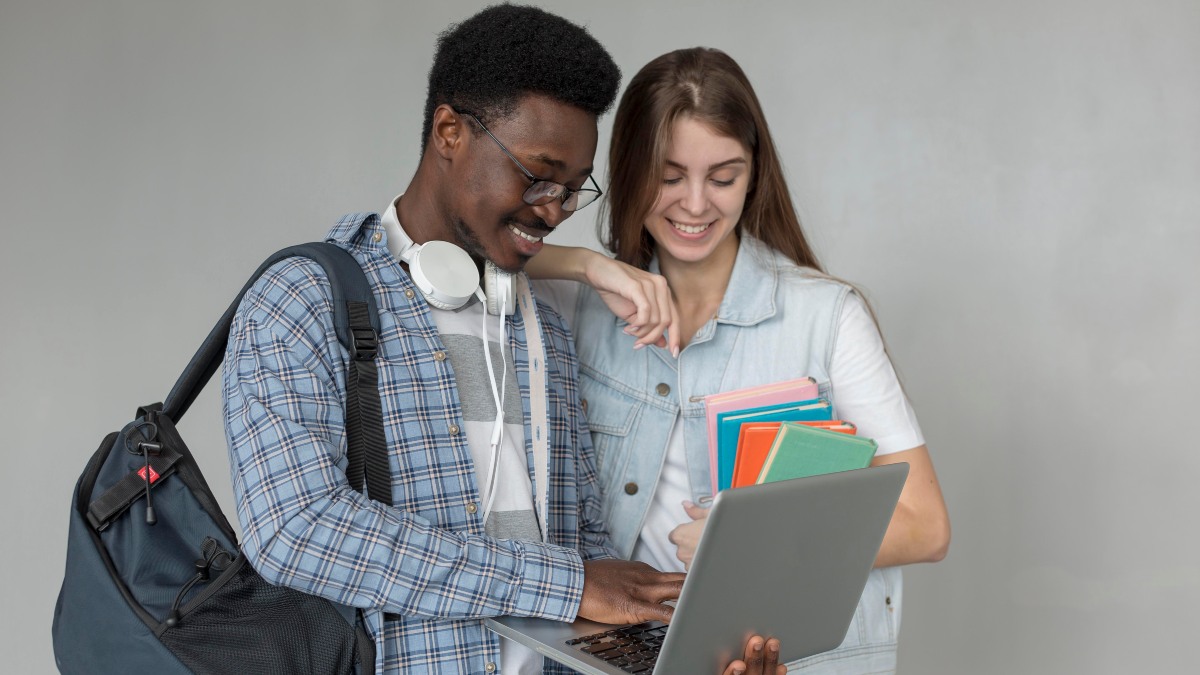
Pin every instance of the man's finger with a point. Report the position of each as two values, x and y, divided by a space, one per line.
653 611
661 586
754 655
771 658
736 668
668 579
662 591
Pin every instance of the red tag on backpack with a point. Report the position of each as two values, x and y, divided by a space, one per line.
153 474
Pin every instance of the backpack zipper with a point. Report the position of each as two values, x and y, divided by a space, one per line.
216 559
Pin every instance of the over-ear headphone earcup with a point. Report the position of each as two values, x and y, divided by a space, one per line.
500 288
444 274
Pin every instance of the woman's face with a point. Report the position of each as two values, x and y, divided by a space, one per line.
702 193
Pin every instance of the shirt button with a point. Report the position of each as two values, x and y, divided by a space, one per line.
453 430
471 508
378 237
490 667
408 293
663 389
439 355
631 488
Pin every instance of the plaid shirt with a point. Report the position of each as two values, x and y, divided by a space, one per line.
426 561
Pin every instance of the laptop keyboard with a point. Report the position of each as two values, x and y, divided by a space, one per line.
633 649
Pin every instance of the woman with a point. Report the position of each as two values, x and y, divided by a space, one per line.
697 194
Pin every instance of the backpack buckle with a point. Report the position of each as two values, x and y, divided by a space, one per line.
366 344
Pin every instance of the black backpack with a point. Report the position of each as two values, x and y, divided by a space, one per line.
154 579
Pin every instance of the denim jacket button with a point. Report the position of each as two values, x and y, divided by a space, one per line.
631 488
663 389
583 402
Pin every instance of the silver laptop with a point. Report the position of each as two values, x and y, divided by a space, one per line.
786 560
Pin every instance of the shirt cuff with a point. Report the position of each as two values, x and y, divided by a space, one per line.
550 583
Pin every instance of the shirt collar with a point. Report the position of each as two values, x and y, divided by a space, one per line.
372 231
395 237
357 230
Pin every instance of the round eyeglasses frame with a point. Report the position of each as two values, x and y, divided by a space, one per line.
542 191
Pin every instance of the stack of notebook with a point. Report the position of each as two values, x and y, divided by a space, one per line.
776 432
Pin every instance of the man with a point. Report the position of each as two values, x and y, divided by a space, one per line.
480 526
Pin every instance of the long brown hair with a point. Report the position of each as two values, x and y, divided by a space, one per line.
708 86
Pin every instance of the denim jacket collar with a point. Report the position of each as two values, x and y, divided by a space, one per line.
750 296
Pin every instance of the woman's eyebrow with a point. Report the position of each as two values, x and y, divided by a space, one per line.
712 167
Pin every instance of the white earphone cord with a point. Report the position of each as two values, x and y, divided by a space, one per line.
497 395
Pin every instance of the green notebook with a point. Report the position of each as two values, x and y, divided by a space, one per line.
800 451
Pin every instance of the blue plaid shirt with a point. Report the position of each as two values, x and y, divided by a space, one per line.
425 562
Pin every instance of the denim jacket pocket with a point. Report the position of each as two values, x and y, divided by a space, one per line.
612 418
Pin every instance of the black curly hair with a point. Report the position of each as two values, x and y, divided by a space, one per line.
488 62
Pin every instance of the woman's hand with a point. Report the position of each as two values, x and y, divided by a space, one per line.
686 537
761 658
637 296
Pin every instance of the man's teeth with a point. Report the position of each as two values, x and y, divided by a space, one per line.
526 237
690 229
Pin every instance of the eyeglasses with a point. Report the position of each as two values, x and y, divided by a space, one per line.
540 190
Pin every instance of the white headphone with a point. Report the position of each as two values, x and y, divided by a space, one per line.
448 277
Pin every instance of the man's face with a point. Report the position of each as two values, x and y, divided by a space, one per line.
490 219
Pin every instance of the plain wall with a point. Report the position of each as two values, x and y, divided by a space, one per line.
1016 185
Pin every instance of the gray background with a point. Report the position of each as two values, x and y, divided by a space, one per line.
1014 183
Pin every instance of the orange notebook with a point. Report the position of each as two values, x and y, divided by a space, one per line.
754 444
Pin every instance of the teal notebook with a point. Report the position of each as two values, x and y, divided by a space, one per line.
800 451
729 427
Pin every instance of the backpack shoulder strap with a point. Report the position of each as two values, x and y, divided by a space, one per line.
356 320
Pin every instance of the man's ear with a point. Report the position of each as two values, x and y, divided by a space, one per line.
448 133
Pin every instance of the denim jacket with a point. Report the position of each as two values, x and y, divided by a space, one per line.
777 321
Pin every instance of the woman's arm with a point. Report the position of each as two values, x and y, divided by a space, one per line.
920 527
867 392
559 262
640 298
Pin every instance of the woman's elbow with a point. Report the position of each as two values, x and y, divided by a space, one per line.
938 540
